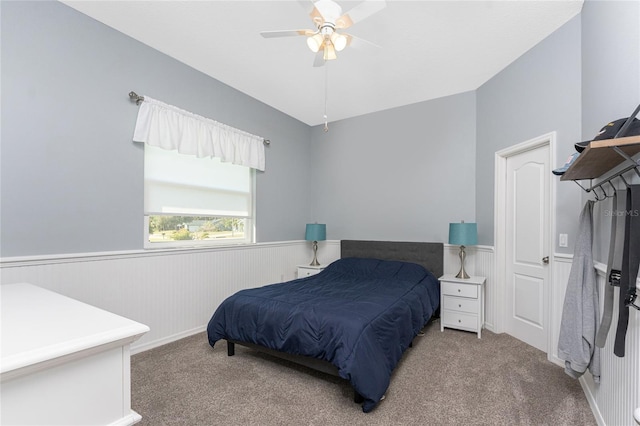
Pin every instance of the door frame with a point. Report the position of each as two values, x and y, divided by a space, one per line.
499 226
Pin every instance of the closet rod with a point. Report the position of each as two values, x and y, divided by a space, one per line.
138 99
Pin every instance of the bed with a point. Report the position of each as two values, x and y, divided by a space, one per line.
354 319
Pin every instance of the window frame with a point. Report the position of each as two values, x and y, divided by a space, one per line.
250 227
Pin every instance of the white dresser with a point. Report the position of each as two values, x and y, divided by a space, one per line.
462 303
63 362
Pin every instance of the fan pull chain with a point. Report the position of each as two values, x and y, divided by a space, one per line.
326 89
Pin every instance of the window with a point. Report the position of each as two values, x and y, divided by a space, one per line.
199 177
196 201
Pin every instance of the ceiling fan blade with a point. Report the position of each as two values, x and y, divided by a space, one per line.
360 43
310 9
360 12
319 61
316 17
307 5
287 33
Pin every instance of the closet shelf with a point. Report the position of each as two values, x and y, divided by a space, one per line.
600 157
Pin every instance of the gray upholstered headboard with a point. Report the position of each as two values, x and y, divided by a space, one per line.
429 255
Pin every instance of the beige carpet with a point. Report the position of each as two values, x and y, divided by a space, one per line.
449 378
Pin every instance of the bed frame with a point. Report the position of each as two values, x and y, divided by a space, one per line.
429 255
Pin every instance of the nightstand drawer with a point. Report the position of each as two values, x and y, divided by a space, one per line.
462 290
460 320
307 271
461 304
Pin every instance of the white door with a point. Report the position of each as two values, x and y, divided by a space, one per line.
527 246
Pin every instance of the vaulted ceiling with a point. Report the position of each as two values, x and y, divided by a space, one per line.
428 49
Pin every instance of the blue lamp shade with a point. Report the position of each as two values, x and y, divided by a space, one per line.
316 232
463 234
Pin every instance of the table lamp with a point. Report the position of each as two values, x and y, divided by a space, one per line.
315 232
463 234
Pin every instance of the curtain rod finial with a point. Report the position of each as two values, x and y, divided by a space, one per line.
135 97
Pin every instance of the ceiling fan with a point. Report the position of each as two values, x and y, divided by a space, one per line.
328 18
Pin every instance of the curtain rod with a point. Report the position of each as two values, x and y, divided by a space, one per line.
137 99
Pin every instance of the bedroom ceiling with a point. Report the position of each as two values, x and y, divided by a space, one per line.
429 49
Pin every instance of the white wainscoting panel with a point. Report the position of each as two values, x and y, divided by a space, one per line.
615 398
173 292
617 395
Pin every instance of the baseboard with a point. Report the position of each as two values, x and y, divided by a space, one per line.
136 349
592 401
130 419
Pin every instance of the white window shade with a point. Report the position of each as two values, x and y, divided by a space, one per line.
165 198
184 185
171 128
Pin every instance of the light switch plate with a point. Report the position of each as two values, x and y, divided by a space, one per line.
564 240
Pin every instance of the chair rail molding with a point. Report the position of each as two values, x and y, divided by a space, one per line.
174 292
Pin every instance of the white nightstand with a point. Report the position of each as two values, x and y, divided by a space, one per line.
308 270
462 303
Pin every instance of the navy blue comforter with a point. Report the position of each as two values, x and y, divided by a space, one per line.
358 314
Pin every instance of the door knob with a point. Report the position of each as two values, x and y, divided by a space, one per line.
545 260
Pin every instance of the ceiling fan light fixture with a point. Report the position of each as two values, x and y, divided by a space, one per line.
329 52
339 41
315 42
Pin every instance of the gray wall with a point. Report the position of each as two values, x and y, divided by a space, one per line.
406 173
71 178
611 83
401 174
537 94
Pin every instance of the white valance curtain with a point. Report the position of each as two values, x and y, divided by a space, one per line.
172 128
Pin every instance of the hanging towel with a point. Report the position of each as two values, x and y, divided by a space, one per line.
576 343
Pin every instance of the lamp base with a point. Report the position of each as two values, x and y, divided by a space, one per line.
315 262
462 274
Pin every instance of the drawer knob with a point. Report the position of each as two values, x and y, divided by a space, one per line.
458 290
459 306
459 320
